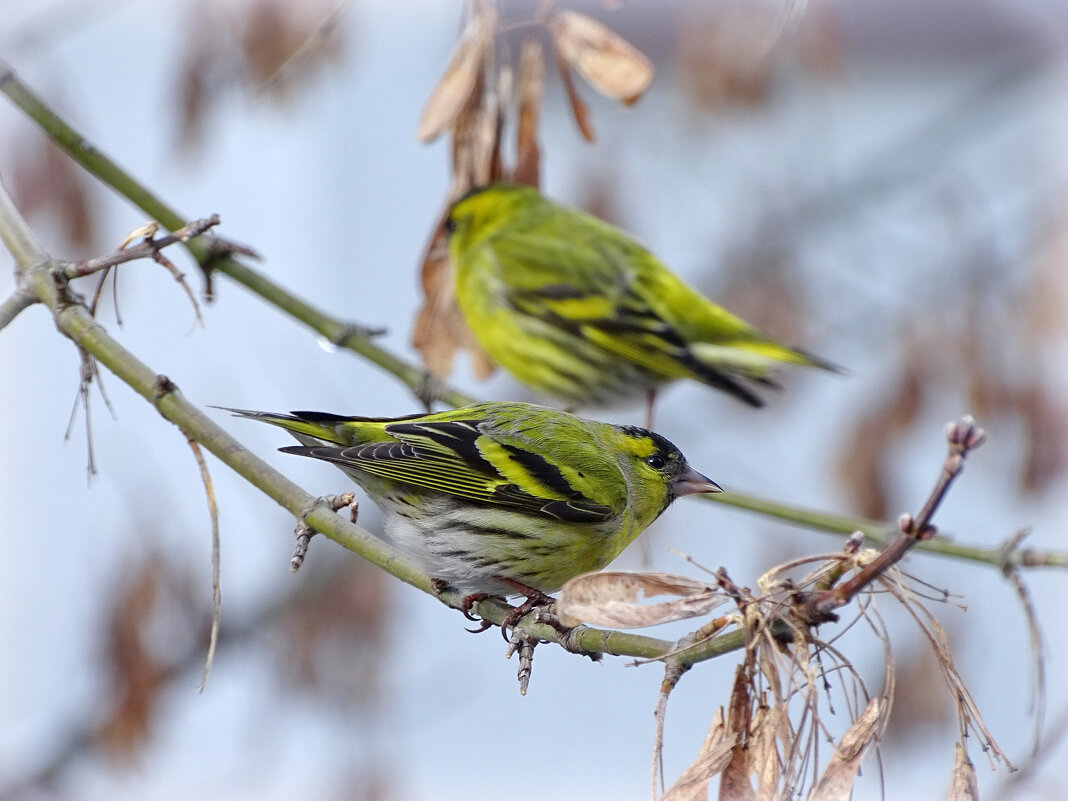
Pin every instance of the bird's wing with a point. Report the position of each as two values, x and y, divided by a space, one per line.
462 458
591 287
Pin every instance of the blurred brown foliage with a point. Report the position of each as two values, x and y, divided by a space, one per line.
730 54
266 47
137 673
330 641
46 182
476 100
333 633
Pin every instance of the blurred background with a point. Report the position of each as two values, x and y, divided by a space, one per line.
880 181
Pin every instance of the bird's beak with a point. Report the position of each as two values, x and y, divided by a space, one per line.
690 482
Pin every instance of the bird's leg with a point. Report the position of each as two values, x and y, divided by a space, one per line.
440 585
465 607
471 600
650 399
534 599
542 605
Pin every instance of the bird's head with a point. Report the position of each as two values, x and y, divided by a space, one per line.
481 212
657 471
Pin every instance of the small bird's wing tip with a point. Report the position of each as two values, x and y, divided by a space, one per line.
821 363
237 412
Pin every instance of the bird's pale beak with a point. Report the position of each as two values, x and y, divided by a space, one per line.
690 482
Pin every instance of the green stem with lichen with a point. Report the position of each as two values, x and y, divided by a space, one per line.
880 533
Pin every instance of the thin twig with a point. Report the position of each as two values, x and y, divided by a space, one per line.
17 302
99 291
672 673
146 249
968 716
179 276
1034 630
216 570
87 371
963 436
149 248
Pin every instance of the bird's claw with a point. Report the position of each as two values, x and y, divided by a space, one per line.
468 602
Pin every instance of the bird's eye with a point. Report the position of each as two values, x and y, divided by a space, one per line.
449 225
656 461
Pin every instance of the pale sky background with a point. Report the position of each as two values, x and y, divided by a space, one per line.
335 192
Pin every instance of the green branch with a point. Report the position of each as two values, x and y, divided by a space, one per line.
880 533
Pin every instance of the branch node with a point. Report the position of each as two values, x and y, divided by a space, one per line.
571 641
339 502
352 330
439 585
162 387
428 389
220 250
964 434
305 532
854 544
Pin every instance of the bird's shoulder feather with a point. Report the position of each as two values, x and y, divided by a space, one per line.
473 459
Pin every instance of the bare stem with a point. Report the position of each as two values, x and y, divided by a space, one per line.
216 569
963 435
17 302
144 250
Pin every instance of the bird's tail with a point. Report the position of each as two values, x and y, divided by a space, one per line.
756 358
731 367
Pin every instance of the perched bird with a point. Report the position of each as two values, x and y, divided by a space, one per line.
577 310
501 498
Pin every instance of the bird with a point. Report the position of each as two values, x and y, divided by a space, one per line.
578 311
501 498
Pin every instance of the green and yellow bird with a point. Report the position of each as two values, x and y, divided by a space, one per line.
577 310
501 498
